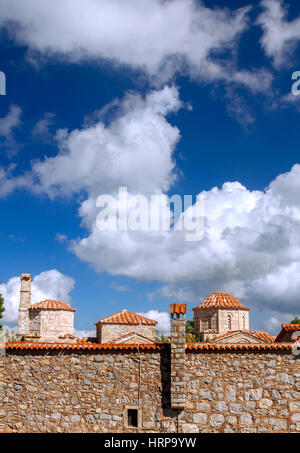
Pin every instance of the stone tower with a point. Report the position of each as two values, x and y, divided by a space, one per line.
177 312
218 314
25 301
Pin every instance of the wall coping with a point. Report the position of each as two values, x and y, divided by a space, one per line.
21 345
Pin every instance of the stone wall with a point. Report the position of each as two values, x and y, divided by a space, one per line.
90 391
108 332
54 323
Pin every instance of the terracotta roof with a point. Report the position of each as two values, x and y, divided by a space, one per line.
290 327
51 305
221 300
262 336
287 328
238 346
177 308
25 276
127 317
154 346
80 346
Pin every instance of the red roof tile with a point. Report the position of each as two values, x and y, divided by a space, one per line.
290 327
285 328
221 300
154 346
238 346
79 346
177 308
262 336
127 317
51 305
25 276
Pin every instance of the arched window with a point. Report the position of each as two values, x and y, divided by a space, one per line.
244 323
229 323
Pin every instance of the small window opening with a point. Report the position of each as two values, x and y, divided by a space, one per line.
229 322
132 417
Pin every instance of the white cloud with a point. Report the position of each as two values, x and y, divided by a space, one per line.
162 318
10 121
61 238
7 125
273 323
84 333
41 129
160 38
46 285
120 288
251 243
251 247
135 150
280 36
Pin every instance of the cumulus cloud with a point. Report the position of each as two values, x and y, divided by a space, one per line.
160 38
280 36
251 247
135 150
251 243
162 318
46 285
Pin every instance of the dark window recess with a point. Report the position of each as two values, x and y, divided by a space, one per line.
132 417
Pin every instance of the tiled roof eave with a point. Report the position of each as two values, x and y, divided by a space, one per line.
125 323
50 309
80 346
221 308
238 346
146 346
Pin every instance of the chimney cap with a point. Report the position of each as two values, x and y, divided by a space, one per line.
25 276
177 308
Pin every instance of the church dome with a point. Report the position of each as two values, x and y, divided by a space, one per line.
51 305
221 300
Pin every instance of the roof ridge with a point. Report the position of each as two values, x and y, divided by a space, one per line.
126 317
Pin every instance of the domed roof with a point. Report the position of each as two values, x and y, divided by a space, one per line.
51 304
221 300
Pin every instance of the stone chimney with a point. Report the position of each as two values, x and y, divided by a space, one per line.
25 302
178 312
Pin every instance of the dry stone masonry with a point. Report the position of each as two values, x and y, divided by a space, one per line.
62 390
96 385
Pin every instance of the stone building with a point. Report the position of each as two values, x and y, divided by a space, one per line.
219 314
152 388
126 327
48 320
289 333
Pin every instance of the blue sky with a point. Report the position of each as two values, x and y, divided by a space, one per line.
214 84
